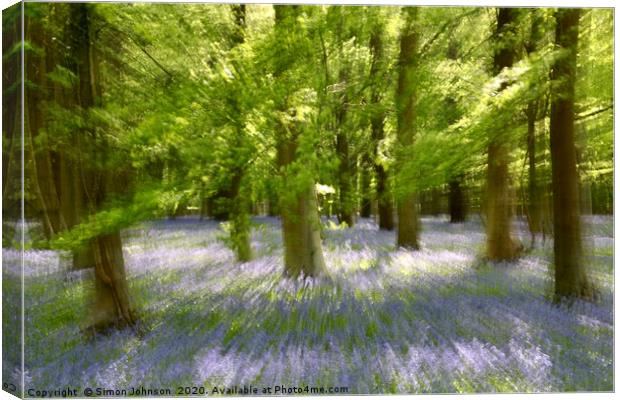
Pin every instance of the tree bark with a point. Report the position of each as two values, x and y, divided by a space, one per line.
345 187
39 157
406 96
112 303
92 185
240 221
303 253
384 200
301 229
364 177
500 244
345 195
456 196
571 279
535 206
456 201
11 127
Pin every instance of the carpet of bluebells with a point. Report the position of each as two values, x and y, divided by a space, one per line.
438 320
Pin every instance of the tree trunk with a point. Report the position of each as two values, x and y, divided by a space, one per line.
11 128
91 186
112 304
385 211
37 146
406 96
223 200
456 197
303 253
500 244
535 206
240 221
571 279
301 229
456 200
364 174
384 200
345 187
345 195
436 201
239 201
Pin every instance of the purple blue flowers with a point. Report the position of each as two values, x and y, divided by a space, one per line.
386 320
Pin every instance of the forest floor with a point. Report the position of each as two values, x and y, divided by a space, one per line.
388 321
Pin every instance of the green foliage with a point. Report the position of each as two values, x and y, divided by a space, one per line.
190 101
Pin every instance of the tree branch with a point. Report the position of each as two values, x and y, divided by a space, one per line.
593 113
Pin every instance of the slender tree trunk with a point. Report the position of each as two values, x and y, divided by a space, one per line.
240 221
436 206
223 200
364 176
37 146
571 279
273 209
345 195
456 201
345 187
384 200
500 244
406 96
11 129
456 196
535 206
204 208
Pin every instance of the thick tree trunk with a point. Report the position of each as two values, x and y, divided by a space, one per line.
571 279
500 244
303 252
301 226
406 96
112 304
91 186
385 212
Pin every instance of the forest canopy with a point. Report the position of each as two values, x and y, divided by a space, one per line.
323 118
